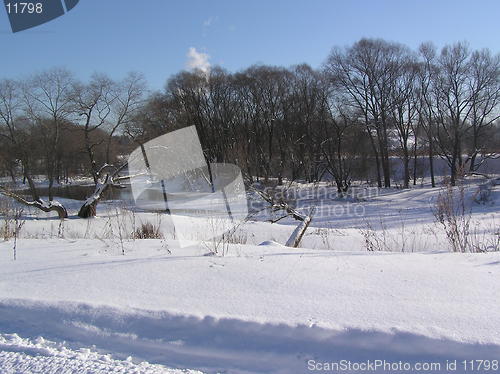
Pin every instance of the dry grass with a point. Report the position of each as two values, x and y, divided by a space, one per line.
452 213
147 230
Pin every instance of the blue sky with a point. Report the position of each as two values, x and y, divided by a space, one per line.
155 36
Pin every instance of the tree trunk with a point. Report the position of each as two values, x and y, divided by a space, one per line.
431 162
453 169
377 160
386 170
89 208
406 165
415 160
406 162
300 230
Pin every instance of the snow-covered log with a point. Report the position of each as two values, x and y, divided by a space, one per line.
483 192
300 230
47 207
305 220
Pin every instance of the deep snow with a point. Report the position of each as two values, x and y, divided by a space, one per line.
210 313
72 301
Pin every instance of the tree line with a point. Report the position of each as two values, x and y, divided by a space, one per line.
368 104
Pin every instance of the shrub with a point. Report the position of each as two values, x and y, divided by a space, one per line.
147 230
451 212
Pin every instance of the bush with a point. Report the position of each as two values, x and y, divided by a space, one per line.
147 231
451 212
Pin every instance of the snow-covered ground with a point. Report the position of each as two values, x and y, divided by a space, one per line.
73 303
20 355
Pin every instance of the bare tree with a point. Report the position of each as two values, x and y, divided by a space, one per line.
92 103
405 109
342 138
427 116
9 109
453 98
21 137
119 104
47 105
128 99
366 75
485 80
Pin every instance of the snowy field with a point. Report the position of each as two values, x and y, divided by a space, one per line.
85 297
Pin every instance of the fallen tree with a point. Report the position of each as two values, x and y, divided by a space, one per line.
280 204
297 234
483 192
45 206
89 207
